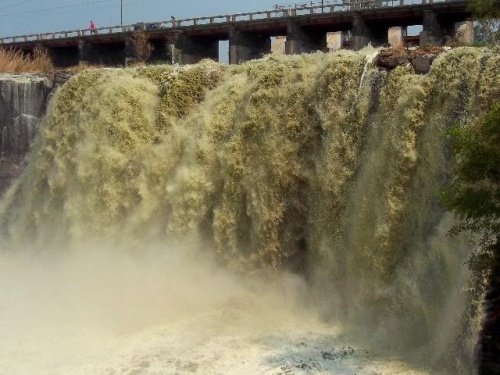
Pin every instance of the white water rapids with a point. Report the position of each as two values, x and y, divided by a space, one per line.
89 314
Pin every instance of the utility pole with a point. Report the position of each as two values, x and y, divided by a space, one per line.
121 12
322 6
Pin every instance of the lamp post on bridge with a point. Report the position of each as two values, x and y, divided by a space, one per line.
121 12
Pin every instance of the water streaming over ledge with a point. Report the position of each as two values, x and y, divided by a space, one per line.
316 165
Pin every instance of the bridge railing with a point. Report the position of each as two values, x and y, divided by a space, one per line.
282 11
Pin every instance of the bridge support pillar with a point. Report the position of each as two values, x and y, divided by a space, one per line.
395 36
464 32
335 41
192 50
244 46
128 52
299 41
432 32
361 34
278 45
84 52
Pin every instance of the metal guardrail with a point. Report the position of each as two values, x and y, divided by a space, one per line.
279 12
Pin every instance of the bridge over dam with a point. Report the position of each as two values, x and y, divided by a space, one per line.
303 28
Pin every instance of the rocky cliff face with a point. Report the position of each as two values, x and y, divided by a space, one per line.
23 99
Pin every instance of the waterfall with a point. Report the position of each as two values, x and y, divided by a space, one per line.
22 103
320 167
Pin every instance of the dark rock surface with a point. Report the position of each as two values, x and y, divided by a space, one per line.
23 101
10 168
420 59
489 355
422 63
390 59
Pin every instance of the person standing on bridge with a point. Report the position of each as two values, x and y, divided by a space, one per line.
92 27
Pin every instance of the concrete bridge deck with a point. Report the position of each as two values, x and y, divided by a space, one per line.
355 23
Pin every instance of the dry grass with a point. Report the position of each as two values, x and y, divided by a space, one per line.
14 61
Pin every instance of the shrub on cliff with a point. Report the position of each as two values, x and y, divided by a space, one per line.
15 61
486 14
474 196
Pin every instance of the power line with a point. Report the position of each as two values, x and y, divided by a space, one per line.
16 4
11 15
37 11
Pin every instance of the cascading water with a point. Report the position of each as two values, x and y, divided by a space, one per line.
276 217
22 100
22 103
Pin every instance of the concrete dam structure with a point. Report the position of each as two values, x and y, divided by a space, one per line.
305 28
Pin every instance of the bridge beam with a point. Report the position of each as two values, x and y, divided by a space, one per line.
299 40
192 50
245 46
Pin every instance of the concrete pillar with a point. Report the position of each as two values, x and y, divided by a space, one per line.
395 36
171 41
193 49
361 34
299 41
128 52
244 46
84 50
464 32
335 41
432 32
278 45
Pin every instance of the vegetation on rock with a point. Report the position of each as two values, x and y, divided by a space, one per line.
14 61
487 21
474 196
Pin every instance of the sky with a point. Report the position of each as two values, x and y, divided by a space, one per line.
22 17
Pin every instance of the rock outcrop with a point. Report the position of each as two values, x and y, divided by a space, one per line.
489 356
23 101
420 59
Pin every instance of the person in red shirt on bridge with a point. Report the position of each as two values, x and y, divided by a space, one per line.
92 27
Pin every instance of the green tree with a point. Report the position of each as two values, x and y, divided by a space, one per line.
486 14
475 193
484 8
474 196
